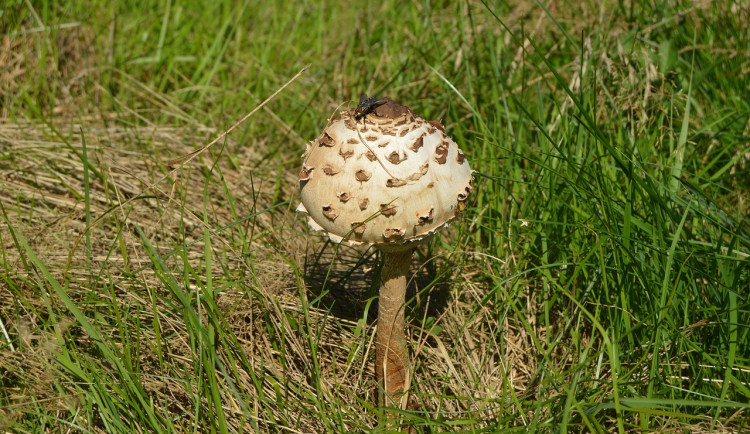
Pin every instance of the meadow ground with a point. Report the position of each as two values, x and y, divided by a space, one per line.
598 281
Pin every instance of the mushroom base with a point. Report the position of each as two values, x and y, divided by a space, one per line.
391 362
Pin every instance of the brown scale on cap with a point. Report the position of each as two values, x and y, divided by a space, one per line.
329 212
395 182
343 196
304 174
395 157
350 124
391 110
387 210
330 171
424 218
326 140
422 172
417 143
346 154
441 153
460 157
393 233
358 228
363 204
362 175
462 196
437 125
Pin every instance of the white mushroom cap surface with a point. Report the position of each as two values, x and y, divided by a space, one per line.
392 178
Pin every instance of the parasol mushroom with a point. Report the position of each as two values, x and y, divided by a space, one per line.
385 177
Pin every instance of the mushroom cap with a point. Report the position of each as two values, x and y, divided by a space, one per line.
391 179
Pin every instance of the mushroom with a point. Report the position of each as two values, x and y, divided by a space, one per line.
404 179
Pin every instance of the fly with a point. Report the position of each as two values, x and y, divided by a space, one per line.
367 105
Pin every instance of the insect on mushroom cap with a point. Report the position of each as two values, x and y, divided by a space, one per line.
415 185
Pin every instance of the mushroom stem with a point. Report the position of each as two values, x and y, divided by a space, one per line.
391 359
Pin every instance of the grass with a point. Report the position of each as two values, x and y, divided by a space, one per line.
598 281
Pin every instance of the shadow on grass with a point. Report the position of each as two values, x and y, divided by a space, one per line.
346 286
